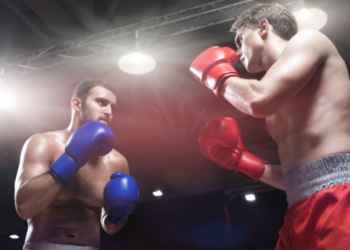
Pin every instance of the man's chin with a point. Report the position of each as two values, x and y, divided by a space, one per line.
104 122
252 70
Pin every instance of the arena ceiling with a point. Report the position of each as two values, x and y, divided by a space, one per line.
159 116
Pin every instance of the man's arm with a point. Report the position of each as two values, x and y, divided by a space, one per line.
35 188
273 176
221 142
288 75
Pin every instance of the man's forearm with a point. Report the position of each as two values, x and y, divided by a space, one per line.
109 227
36 195
273 176
244 94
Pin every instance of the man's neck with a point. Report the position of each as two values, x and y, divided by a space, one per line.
273 50
74 124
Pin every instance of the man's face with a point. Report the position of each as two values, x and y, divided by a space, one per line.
99 106
249 49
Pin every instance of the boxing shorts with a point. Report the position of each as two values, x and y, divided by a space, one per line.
318 216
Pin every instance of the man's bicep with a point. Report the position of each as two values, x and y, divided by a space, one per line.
290 74
35 159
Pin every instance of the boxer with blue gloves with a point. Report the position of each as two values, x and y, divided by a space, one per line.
71 182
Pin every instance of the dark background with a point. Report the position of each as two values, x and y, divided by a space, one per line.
159 118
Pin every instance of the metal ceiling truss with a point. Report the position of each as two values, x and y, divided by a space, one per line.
120 38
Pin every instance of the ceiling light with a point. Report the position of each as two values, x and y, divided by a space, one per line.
14 236
250 197
310 18
157 193
136 63
6 100
304 14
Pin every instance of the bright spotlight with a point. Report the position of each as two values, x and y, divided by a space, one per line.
137 57
250 197
14 236
136 64
6 100
304 14
310 18
157 193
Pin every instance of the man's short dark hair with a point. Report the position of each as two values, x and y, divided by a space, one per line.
82 90
282 21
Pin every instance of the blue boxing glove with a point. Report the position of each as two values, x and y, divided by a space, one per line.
92 137
121 194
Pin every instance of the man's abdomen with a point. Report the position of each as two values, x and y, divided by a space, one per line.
298 149
70 224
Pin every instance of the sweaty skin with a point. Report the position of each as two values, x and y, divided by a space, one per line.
304 95
72 214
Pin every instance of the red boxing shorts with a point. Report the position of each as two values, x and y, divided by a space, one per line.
318 197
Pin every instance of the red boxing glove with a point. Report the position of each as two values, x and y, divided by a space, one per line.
213 66
221 142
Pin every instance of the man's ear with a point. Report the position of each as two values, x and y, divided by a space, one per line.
263 27
76 104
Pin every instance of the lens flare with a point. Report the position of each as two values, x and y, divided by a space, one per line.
6 100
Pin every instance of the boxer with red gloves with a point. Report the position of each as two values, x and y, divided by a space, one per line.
63 186
221 142
304 96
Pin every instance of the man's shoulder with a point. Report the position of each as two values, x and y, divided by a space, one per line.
117 156
38 138
309 37
47 139
308 32
310 44
118 160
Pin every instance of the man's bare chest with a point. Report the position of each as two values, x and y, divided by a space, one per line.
275 126
293 115
87 186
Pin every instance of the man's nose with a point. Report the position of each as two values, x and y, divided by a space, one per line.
108 110
239 53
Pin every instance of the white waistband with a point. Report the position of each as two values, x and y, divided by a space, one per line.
51 246
314 176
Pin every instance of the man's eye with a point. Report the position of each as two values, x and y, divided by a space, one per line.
238 43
